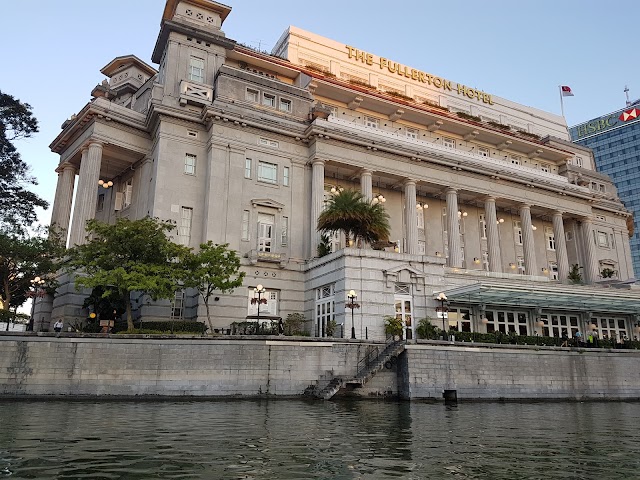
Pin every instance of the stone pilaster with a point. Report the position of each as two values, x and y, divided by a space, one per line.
410 215
86 197
561 247
493 237
366 186
453 229
61 210
591 271
317 200
527 240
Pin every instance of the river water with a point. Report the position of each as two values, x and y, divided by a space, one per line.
295 439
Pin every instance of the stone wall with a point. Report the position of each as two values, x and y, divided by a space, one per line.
71 365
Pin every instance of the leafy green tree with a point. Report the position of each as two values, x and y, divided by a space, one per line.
426 329
17 204
22 259
574 274
214 268
348 212
393 325
128 256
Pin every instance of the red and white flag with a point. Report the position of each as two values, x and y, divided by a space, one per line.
566 91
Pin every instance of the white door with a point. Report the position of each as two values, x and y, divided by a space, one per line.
404 311
265 232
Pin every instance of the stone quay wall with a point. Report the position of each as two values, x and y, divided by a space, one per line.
125 366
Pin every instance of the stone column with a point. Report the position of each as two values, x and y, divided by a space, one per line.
61 210
561 247
366 187
317 200
453 229
527 240
86 197
493 237
591 271
411 219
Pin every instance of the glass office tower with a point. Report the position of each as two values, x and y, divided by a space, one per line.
615 141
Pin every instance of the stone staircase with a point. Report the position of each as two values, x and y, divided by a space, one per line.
371 364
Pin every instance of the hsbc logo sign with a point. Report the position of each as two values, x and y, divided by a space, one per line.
605 123
629 115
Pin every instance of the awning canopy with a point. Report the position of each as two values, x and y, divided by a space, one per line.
549 297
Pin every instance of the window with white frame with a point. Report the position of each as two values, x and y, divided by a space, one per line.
515 160
266 226
127 191
420 219
448 142
545 167
268 100
270 308
553 271
483 151
485 261
285 105
608 327
252 95
267 172
245 225
558 325
189 164
422 247
412 133
372 122
196 69
284 234
177 305
325 309
601 238
507 321
578 161
247 167
184 230
520 264
483 226
285 176
550 238
517 232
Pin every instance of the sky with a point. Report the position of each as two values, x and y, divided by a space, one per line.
51 52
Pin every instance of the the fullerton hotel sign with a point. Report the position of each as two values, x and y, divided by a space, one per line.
417 75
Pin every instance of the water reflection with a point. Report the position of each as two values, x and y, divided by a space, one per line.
243 439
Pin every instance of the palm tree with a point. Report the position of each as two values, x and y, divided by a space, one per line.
348 212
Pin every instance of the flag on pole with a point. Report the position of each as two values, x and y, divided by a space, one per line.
566 91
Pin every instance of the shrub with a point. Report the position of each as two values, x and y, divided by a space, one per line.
294 324
177 326
426 329
467 116
393 325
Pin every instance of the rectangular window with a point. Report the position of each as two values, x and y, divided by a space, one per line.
127 192
372 122
578 161
553 271
285 176
268 100
100 205
520 263
184 230
189 164
192 134
196 69
448 142
267 172
268 143
284 236
422 247
515 160
245 225
485 261
247 168
270 308
325 310
420 218
483 227
285 105
545 167
483 152
265 232
517 232
550 237
602 239
252 95
412 133
177 305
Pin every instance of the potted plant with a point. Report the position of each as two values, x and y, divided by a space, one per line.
393 326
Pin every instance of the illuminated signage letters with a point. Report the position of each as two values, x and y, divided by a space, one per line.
417 75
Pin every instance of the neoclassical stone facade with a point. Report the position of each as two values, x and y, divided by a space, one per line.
488 200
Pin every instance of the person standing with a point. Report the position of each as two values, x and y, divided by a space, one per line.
57 327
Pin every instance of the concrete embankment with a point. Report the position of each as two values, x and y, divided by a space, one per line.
132 366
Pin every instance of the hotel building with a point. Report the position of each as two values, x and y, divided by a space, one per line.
489 201
615 141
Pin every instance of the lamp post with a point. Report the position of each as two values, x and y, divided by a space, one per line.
37 283
259 290
442 298
352 304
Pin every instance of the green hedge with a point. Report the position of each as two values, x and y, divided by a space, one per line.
7 315
177 326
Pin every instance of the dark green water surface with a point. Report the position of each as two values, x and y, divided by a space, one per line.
290 439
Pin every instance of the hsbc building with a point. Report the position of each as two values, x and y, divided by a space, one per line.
615 141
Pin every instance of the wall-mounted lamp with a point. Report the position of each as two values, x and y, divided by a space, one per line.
484 320
499 221
438 254
533 227
379 198
462 214
476 260
421 206
512 266
545 270
336 189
